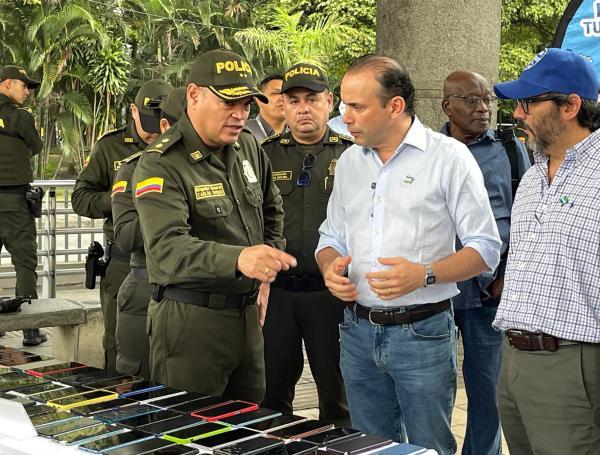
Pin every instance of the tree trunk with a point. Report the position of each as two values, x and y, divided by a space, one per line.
433 39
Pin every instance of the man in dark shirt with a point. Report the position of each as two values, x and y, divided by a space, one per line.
271 119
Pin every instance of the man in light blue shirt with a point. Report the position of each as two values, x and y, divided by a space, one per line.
401 197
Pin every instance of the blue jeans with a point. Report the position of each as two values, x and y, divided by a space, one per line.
401 379
481 370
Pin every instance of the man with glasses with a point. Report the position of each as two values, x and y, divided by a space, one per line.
271 118
468 103
402 195
212 222
549 392
301 308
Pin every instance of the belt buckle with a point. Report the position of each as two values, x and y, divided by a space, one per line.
371 320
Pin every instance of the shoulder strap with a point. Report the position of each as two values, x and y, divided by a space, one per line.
507 135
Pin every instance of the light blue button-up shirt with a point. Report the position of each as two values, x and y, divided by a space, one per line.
413 206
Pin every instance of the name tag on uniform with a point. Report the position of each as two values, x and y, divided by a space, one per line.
282 175
209 191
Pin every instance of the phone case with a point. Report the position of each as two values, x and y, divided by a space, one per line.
225 410
67 366
187 435
116 440
117 414
332 436
358 445
248 418
147 419
101 430
200 403
254 446
160 428
66 426
275 423
51 417
83 399
103 406
136 448
301 430
224 438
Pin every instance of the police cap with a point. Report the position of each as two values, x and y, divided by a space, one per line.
16 72
226 74
305 75
148 100
173 105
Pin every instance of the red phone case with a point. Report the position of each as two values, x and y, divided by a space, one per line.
209 416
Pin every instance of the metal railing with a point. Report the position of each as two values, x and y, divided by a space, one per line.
62 237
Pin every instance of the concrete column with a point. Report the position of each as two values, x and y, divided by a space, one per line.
434 38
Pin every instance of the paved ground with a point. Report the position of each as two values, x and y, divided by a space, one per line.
305 402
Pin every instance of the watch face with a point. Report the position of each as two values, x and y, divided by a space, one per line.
430 280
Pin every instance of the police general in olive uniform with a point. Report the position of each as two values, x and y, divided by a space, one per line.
19 141
135 292
92 196
301 307
212 222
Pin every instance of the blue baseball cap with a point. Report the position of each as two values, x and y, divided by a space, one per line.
553 70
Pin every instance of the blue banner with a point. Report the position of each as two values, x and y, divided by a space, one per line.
579 30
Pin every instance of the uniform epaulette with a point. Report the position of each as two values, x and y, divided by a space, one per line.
347 138
270 138
246 129
135 156
26 109
109 132
163 143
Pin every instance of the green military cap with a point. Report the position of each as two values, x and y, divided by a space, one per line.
148 100
305 75
16 72
173 105
226 74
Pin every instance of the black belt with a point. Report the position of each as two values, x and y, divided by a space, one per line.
403 315
299 283
140 273
205 299
112 251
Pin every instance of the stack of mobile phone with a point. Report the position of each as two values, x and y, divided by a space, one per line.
224 410
40 372
11 357
355 446
301 430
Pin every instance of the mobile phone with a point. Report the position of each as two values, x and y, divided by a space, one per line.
82 399
332 436
117 414
358 445
42 371
66 426
24 360
38 388
142 447
174 450
224 438
68 375
22 400
205 430
146 419
135 388
258 445
120 380
103 406
43 397
51 417
296 448
403 449
40 409
83 377
174 400
200 403
156 394
275 423
301 430
225 410
88 434
248 418
18 383
114 441
165 426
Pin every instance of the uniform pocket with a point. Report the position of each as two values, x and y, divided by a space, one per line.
254 195
214 208
286 187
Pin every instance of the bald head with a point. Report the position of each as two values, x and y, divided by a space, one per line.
466 103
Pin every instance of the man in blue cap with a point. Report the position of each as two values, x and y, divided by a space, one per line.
549 393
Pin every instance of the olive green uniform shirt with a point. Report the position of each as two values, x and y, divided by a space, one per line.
126 222
199 209
19 141
92 194
305 208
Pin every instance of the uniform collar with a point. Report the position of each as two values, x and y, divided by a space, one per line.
4 99
194 146
330 137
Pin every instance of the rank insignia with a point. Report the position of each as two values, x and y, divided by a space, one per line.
284 141
128 140
334 139
117 165
196 155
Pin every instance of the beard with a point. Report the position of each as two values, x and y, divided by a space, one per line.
544 134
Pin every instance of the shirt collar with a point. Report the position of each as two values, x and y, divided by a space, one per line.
416 136
489 134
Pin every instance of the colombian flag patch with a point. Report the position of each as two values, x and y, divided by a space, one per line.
119 187
151 185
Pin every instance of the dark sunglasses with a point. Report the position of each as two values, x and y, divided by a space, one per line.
307 164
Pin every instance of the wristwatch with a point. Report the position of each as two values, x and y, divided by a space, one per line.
429 276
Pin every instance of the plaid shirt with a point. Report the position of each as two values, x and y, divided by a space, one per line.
552 282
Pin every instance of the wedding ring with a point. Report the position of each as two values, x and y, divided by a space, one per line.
390 291
267 270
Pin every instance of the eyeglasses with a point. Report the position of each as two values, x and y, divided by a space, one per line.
307 164
525 102
473 101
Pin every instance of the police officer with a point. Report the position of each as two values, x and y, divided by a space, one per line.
301 307
91 197
212 222
135 292
19 141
